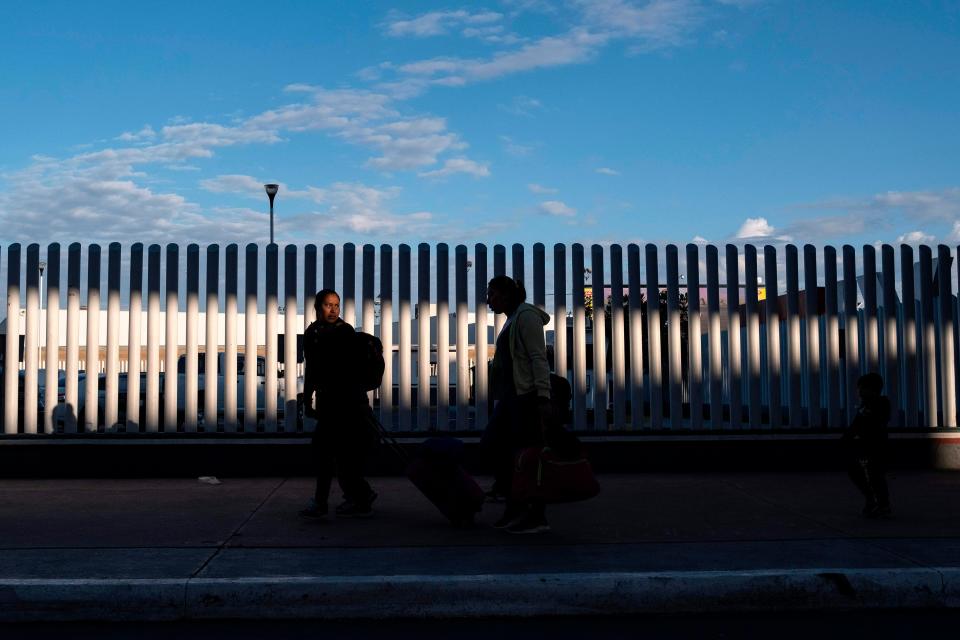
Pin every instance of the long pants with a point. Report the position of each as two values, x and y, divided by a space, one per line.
514 425
340 445
870 477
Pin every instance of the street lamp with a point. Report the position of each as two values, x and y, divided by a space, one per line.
271 193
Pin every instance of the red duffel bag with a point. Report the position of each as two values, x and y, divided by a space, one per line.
539 474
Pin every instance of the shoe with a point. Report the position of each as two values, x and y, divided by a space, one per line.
878 511
314 511
354 509
529 524
510 515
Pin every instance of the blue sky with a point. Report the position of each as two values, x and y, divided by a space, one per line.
505 121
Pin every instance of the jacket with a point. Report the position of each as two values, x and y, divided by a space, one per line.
528 351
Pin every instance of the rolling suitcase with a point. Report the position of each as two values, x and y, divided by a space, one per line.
439 475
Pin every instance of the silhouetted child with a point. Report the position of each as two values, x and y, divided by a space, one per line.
867 446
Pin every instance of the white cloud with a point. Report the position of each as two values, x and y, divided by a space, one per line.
656 24
458 165
537 188
755 228
700 240
438 23
607 171
917 237
246 185
146 133
522 106
514 148
557 208
954 232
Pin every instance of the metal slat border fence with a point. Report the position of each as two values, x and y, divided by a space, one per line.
644 344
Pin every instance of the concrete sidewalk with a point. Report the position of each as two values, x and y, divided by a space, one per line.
178 548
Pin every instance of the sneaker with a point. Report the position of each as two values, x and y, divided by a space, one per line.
529 524
511 513
354 509
878 511
314 510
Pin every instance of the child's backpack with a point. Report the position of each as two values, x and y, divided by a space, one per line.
370 362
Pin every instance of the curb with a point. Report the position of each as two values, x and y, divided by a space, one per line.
477 596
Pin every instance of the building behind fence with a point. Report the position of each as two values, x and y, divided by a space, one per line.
717 351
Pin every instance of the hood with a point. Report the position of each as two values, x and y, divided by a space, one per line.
527 307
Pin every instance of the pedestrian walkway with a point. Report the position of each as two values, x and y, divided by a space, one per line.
181 548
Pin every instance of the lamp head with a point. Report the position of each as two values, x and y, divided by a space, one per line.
271 190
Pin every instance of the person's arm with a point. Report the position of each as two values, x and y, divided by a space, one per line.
530 333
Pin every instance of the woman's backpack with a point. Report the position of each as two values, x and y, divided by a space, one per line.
370 363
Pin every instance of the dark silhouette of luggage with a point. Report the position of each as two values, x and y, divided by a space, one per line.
370 363
437 471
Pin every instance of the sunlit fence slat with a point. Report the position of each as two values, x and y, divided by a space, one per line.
52 344
773 319
442 318
694 339
832 337
579 340
618 349
734 356
752 315
948 389
674 353
812 318
598 322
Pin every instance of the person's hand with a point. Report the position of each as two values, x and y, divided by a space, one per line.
545 411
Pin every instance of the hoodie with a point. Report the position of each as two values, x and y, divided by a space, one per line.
531 371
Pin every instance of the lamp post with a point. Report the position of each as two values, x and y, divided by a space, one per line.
271 190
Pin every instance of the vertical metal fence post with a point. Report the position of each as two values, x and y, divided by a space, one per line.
752 312
674 350
832 339
231 270
349 312
250 369
794 368
499 269
134 341
309 284
291 414
52 345
773 318
171 376
716 337
891 345
31 343
152 413
851 322
599 339
694 338
368 317
617 338
654 327
386 335
329 266
72 385
191 365
462 338
871 334
111 414
405 328
211 373
734 352
481 392
423 336
579 340
929 344
948 389
812 298
92 353
560 364
270 390
11 369
540 277
443 336
910 408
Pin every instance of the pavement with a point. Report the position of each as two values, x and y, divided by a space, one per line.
182 549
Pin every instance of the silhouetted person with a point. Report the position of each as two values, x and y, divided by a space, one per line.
521 391
866 441
334 395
